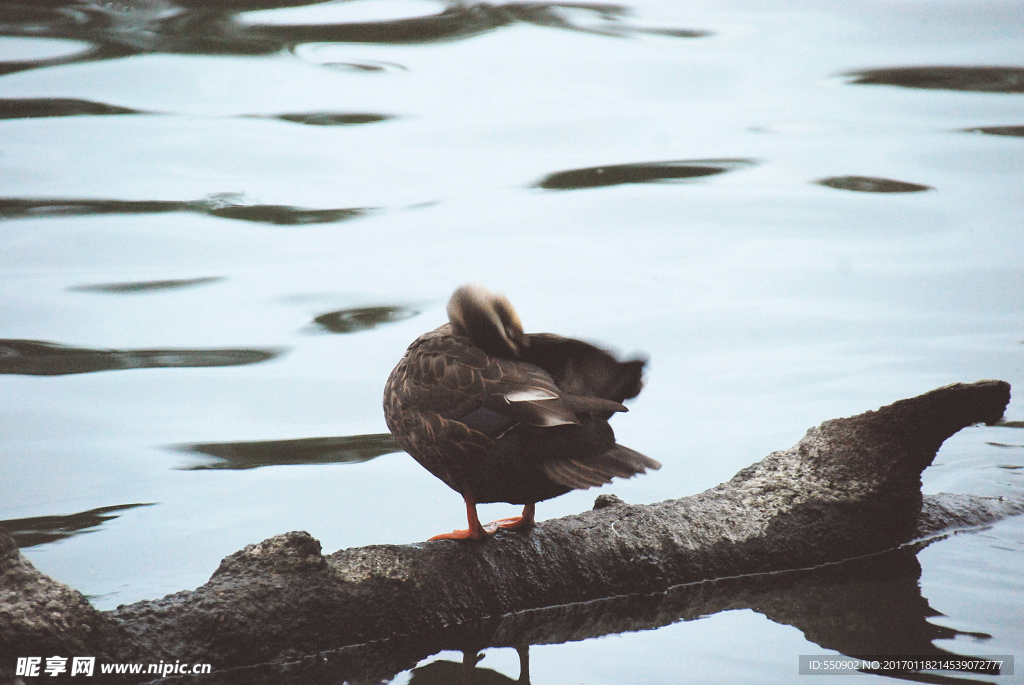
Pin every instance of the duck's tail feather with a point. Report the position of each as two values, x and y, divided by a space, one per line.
581 474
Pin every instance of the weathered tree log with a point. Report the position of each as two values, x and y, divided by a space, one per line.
849 488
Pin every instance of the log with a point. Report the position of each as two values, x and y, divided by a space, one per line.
848 490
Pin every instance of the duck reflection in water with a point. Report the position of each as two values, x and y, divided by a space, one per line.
503 416
442 672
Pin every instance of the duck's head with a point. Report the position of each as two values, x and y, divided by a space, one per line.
488 319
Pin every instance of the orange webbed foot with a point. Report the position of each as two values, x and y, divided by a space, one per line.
514 523
517 523
481 534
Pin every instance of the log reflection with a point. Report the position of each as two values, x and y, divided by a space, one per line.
861 607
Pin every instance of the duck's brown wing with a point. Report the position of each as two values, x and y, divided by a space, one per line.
582 369
449 376
530 395
438 374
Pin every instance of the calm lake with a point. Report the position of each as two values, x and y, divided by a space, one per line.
221 224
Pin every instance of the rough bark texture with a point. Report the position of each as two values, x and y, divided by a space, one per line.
39 615
849 488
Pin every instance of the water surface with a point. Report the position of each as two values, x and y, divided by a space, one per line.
221 224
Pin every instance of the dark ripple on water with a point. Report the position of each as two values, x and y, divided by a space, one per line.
643 172
363 318
333 118
971 79
870 184
39 530
1016 131
36 108
30 108
284 215
366 67
348 449
187 27
133 287
224 206
40 358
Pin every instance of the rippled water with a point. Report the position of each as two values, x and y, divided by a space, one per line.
221 224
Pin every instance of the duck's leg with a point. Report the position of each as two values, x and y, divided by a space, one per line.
475 530
524 664
524 522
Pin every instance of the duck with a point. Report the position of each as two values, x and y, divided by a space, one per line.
499 415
